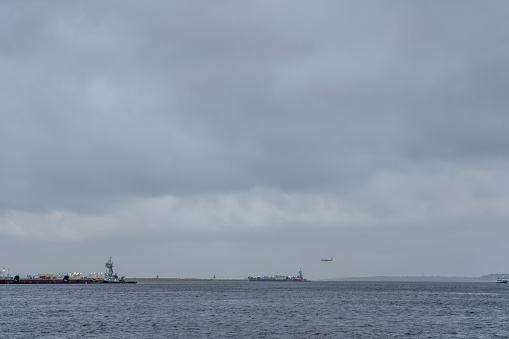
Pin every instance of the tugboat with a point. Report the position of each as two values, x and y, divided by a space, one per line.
110 277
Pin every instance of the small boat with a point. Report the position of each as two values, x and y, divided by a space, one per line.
502 280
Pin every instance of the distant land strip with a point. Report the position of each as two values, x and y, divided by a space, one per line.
488 277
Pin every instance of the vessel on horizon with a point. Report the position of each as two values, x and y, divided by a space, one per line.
66 278
111 277
299 278
502 280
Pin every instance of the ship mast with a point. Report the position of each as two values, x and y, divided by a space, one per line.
109 266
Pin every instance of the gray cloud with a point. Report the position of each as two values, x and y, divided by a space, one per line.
257 123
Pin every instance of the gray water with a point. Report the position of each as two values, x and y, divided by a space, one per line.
215 309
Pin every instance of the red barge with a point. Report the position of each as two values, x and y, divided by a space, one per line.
44 280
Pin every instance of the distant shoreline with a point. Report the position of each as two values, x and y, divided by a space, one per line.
437 278
415 278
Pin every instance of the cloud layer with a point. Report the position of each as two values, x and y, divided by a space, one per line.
255 137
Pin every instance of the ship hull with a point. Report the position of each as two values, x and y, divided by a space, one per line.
61 281
281 278
38 281
110 277
273 280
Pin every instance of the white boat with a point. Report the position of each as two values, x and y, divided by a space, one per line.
502 280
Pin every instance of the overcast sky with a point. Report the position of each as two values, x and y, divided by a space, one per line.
234 138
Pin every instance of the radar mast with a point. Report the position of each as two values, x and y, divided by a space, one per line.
109 266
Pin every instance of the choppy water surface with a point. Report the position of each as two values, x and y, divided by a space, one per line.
256 309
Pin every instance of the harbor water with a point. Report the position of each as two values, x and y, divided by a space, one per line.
218 309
